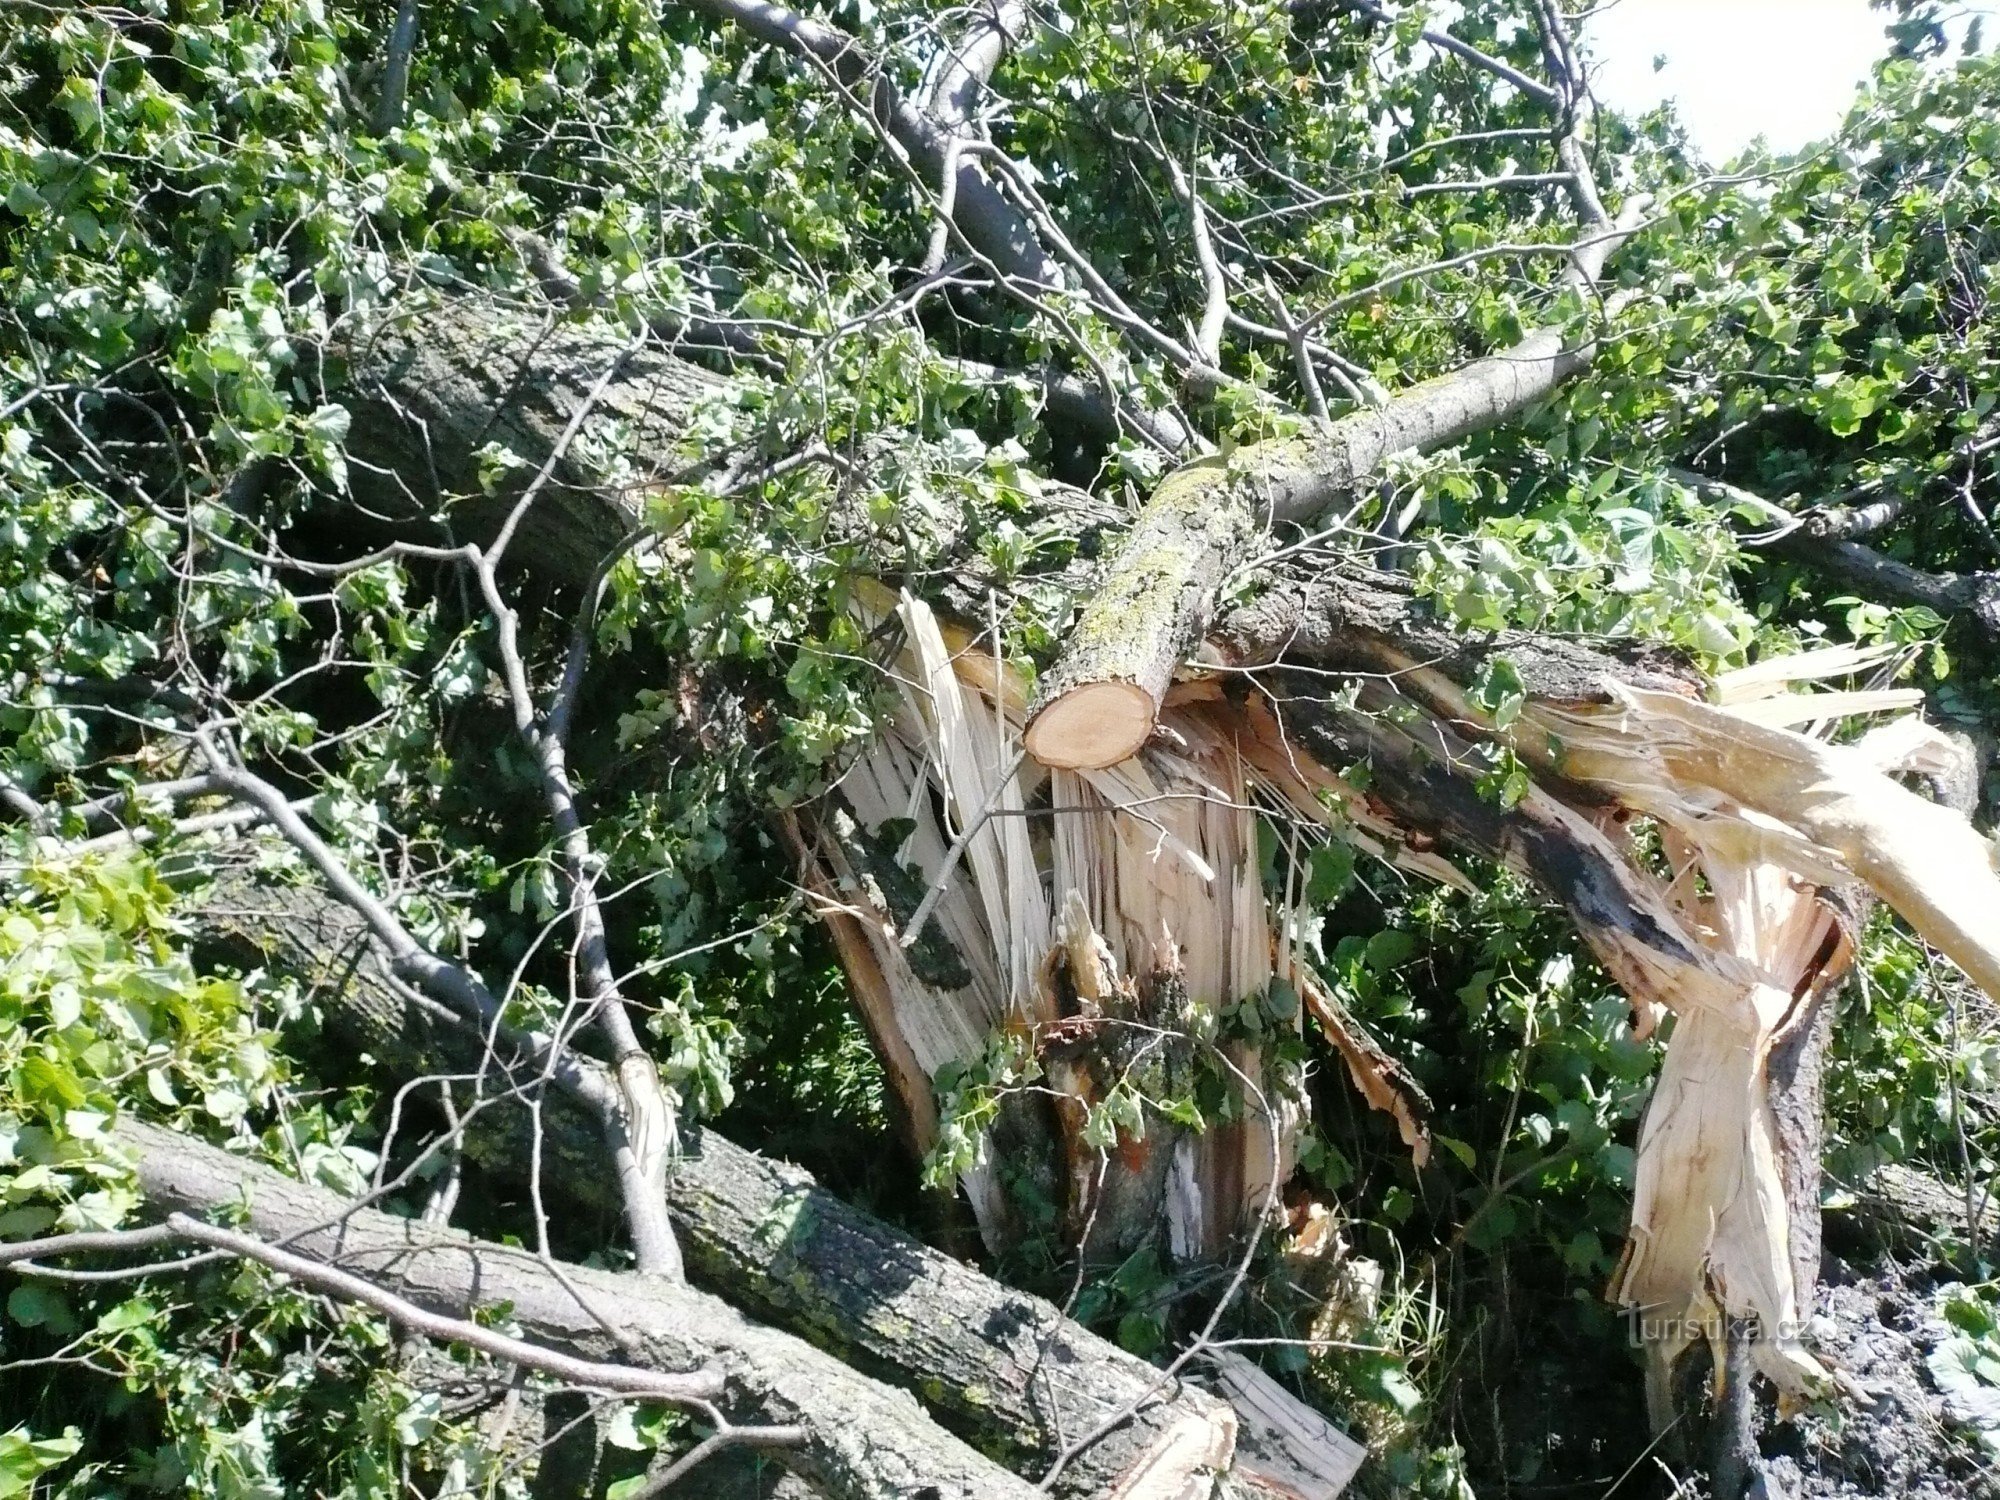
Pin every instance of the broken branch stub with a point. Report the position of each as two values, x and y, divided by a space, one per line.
1100 701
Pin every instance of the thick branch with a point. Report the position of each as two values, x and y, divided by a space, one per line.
465 397
987 220
396 71
1098 704
1368 622
863 1440
1821 539
962 73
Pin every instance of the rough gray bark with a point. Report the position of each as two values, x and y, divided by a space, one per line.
1370 622
1796 1071
1974 595
1002 1367
1823 540
1904 1208
867 1442
444 380
1426 776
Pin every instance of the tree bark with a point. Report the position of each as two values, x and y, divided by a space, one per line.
467 397
1098 704
1368 622
865 1442
1824 539
1003 1368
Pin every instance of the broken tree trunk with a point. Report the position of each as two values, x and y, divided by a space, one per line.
1003 1368
1155 844
1743 965
864 1441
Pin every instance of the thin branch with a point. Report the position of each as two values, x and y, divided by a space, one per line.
980 212
914 928
1444 41
582 1373
410 961
1215 288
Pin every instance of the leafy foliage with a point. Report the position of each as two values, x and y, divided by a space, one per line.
198 200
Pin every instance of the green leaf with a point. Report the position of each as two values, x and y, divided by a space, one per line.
1389 949
1498 691
24 1459
33 1306
50 1080
1330 873
1467 1157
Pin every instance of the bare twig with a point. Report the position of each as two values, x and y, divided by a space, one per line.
582 1373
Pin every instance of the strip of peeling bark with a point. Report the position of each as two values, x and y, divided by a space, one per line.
1099 702
864 1441
1003 1368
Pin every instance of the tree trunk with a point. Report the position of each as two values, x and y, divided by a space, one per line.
1004 1368
865 1442
468 397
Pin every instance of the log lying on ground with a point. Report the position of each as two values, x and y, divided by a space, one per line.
1002 1367
865 1442
445 385
1899 1206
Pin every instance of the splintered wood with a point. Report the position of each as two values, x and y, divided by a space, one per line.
1096 910
1151 864
1765 829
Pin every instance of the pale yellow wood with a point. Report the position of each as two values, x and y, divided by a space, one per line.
1091 727
1282 1443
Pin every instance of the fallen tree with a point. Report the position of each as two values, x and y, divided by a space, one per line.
858 1439
1762 809
266 483
1005 1369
